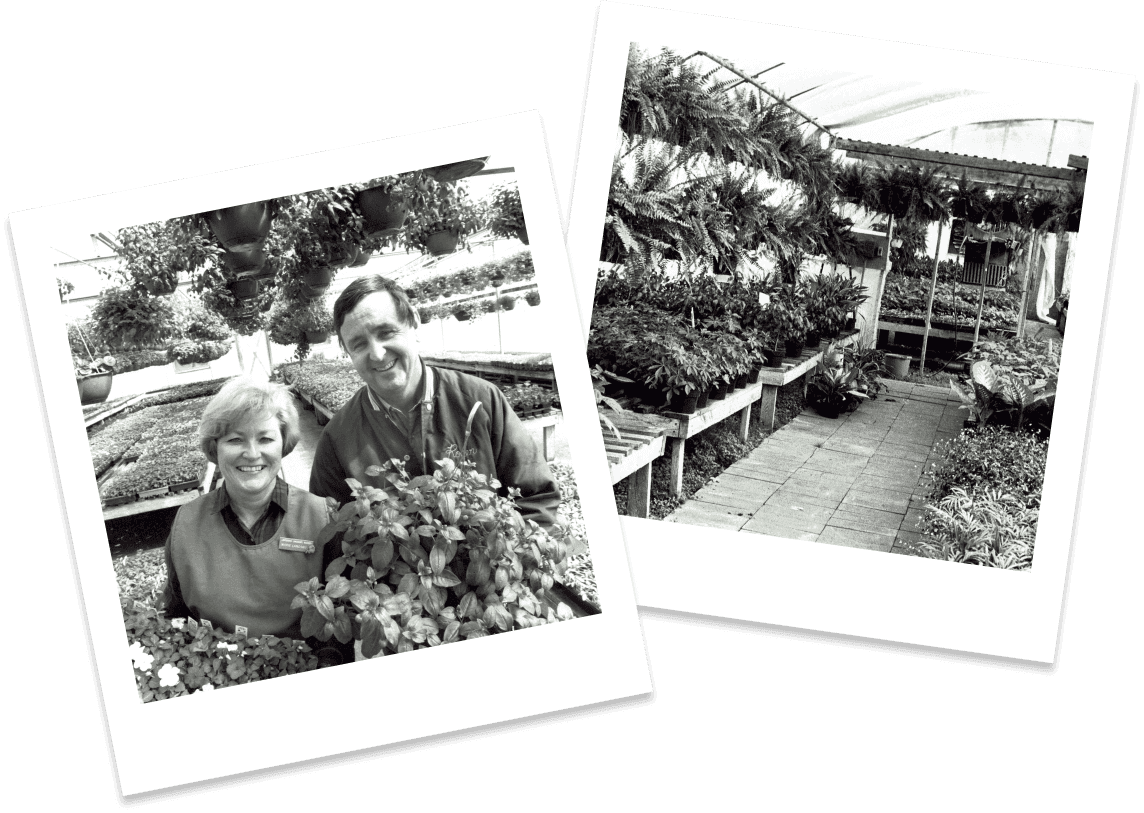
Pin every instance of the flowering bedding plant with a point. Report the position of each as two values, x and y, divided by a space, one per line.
178 656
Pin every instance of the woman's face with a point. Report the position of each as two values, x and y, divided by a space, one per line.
250 457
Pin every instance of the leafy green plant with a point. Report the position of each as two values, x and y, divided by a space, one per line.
194 351
1011 462
94 366
178 656
431 559
504 212
834 387
129 318
996 396
871 366
448 209
528 396
986 527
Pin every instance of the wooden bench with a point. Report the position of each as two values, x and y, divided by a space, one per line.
640 442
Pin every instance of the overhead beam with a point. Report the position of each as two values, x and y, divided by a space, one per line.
989 170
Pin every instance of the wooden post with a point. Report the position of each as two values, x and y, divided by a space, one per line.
882 282
981 301
745 423
1025 284
639 492
767 407
929 300
677 446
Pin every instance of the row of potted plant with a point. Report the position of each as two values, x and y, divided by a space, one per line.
528 398
468 309
474 279
905 299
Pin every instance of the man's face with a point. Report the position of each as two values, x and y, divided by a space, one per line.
382 348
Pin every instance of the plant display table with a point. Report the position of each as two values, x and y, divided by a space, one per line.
957 333
146 501
682 426
641 441
512 366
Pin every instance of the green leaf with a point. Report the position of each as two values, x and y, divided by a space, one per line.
312 622
447 503
325 607
452 632
336 567
453 533
371 637
337 587
382 554
410 585
342 629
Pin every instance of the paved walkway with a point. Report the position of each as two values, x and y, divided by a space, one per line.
853 481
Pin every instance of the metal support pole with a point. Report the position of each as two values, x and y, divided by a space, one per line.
981 300
929 300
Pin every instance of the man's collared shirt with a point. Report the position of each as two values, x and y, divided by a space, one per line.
411 423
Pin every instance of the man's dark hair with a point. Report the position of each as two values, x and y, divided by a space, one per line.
362 287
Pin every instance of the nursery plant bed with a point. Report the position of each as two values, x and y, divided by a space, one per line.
956 333
514 366
131 504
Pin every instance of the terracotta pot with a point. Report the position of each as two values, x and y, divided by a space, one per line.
383 213
238 227
94 389
441 243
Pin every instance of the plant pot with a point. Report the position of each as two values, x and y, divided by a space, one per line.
441 242
704 399
384 214
685 404
246 258
522 234
897 365
773 359
461 315
850 322
794 348
363 258
316 336
755 374
240 227
318 277
813 338
426 315
507 303
532 298
719 391
94 389
741 381
447 173
828 409
245 288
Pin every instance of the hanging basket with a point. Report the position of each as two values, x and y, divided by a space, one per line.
522 234
317 336
94 389
532 298
318 277
442 242
447 173
246 258
384 214
245 288
506 303
425 315
362 258
240 227
461 315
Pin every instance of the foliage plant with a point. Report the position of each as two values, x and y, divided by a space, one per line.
93 366
504 213
125 317
527 396
431 559
179 656
1011 462
871 366
835 387
1002 395
987 527
448 208
153 255
196 351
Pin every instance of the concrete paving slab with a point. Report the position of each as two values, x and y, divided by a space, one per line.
879 498
774 520
696 512
847 538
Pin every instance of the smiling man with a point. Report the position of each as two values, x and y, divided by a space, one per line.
413 412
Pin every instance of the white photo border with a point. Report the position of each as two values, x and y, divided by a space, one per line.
434 691
842 590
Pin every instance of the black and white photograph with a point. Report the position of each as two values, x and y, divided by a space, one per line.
326 426
829 302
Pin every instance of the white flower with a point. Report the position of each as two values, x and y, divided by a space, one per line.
221 645
140 658
178 623
168 675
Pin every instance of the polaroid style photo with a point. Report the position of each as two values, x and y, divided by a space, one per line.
331 435
771 229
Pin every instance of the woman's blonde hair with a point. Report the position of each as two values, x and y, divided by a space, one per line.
242 399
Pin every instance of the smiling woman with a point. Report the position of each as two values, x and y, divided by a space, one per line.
235 554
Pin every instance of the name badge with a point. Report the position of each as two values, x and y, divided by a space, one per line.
298 545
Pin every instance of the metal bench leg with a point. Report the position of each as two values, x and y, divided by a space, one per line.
639 492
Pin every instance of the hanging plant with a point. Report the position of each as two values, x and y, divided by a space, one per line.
450 211
505 214
126 317
153 255
449 173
